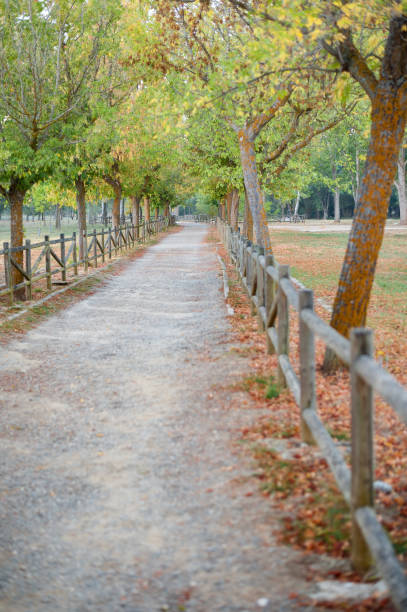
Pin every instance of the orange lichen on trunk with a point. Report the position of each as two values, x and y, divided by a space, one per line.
355 284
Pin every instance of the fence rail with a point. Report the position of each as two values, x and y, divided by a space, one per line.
59 255
272 293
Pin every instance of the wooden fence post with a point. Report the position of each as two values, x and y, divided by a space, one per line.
362 445
103 244
75 255
28 268
307 364
63 272
48 263
109 238
268 297
260 289
8 272
282 324
85 250
95 249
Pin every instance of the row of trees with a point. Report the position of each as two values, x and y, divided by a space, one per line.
76 117
260 81
158 99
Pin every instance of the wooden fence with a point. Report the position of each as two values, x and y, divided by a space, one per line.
272 292
59 255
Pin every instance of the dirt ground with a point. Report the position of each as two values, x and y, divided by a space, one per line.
123 483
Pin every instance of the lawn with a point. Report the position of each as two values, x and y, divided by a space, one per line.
316 260
36 230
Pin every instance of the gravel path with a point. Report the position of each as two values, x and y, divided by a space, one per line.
121 486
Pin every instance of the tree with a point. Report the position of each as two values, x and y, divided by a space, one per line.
400 183
49 61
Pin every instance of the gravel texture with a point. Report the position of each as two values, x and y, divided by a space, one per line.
122 487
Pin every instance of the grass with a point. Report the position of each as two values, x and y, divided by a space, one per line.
316 259
36 230
269 388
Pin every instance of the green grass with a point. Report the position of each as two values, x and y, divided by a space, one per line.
36 230
316 260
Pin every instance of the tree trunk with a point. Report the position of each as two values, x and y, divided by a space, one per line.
366 235
254 191
117 188
297 203
16 198
57 217
229 197
248 219
400 183
234 209
337 206
222 209
135 211
104 212
146 203
157 212
337 210
81 208
167 210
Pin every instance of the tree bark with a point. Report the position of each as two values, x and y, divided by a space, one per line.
253 190
229 196
135 211
81 208
104 212
400 183
146 203
117 190
248 219
337 209
337 206
234 209
366 235
157 212
15 197
297 203
167 210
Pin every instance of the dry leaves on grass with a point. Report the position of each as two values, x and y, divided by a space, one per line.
314 516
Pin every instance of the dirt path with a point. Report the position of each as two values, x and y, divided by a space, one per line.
122 485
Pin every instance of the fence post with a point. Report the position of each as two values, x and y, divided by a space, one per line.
307 364
282 323
28 268
8 272
75 255
103 245
109 238
260 289
63 272
48 263
268 297
117 238
95 249
362 445
85 250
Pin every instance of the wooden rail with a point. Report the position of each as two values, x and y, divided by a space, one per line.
61 254
272 293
